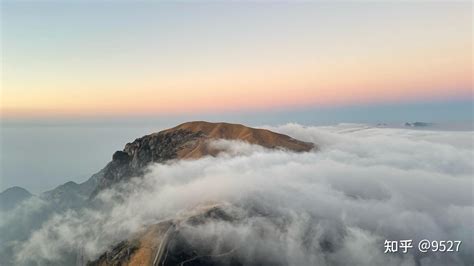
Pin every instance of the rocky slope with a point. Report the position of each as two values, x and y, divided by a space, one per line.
164 243
167 243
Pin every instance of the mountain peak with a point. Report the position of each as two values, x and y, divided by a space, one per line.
262 137
12 196
189 141
15 189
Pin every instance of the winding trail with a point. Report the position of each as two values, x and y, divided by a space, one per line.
163 245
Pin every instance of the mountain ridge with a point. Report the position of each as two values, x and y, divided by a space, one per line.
187 141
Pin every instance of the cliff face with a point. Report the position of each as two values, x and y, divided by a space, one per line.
187 141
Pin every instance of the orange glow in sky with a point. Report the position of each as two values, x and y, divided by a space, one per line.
239 57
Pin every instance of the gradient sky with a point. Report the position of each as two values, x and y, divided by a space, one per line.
81 58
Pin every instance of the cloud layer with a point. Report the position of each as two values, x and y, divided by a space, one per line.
335 206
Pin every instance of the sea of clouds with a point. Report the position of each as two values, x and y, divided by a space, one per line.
333 206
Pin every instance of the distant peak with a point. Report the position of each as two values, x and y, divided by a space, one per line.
11 197
16 190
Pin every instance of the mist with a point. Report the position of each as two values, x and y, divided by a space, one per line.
332 206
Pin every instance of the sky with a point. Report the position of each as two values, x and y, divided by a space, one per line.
75 59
